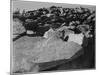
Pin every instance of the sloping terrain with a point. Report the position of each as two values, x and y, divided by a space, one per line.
31 50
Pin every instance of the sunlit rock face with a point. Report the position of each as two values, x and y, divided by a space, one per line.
17 27
77 38
20 51
29 51
30 32
48 33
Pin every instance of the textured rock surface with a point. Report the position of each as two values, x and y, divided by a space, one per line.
17 27
27 51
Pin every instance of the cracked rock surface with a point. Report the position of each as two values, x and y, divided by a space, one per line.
29 51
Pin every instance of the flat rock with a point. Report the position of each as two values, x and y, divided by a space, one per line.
29 50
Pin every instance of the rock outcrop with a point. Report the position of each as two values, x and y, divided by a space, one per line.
28 52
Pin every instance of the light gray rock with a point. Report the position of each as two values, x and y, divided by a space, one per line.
29 51
18 28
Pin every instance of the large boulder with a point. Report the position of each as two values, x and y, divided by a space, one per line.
29 51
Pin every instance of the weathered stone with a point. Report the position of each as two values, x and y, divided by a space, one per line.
45 50
18 28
